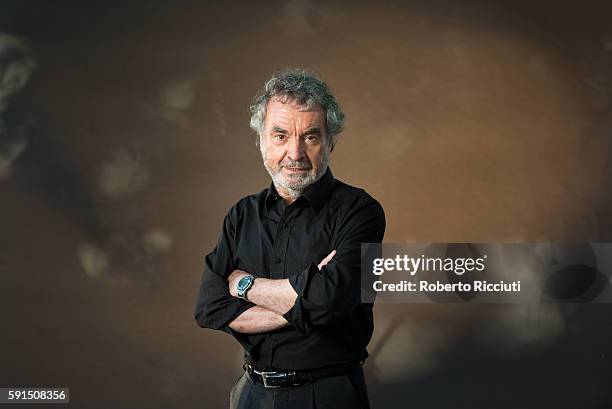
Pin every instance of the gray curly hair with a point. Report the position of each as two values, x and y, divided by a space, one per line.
305 88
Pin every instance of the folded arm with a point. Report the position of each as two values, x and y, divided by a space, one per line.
277 295
331 294
256 320
215 306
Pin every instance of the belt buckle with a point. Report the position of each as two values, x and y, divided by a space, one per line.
269 378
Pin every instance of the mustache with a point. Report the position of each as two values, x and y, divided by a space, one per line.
296 164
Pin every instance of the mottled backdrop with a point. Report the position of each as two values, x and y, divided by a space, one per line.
124 139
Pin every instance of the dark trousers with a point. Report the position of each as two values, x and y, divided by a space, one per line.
336 392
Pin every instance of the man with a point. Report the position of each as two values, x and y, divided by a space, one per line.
284 278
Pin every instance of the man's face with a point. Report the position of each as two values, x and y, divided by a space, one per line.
294 145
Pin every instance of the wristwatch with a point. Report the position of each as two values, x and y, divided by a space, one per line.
244 285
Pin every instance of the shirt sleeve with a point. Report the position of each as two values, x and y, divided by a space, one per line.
215 307
332 293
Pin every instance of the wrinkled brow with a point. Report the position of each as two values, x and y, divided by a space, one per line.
278 129
312 130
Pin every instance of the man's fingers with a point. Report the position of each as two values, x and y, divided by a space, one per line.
330 256
327 259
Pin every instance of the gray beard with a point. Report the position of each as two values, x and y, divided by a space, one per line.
296 191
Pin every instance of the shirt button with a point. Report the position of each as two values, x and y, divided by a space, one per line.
277 260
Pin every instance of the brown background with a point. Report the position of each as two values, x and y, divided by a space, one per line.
468 121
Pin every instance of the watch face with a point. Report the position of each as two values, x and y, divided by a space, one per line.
244 282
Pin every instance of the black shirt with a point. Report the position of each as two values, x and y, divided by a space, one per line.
267 238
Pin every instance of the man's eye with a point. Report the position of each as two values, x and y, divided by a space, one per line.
311 138
280 136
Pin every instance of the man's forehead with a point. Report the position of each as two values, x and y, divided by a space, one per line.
291 102
282 114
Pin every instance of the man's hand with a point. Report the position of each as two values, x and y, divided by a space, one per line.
233 279
327 259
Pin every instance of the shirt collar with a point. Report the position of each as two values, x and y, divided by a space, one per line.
316 194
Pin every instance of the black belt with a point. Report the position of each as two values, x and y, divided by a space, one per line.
278 378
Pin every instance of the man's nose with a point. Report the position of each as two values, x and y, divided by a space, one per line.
295 150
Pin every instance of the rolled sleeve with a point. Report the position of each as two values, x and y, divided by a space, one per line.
299 282
332 293
215 307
